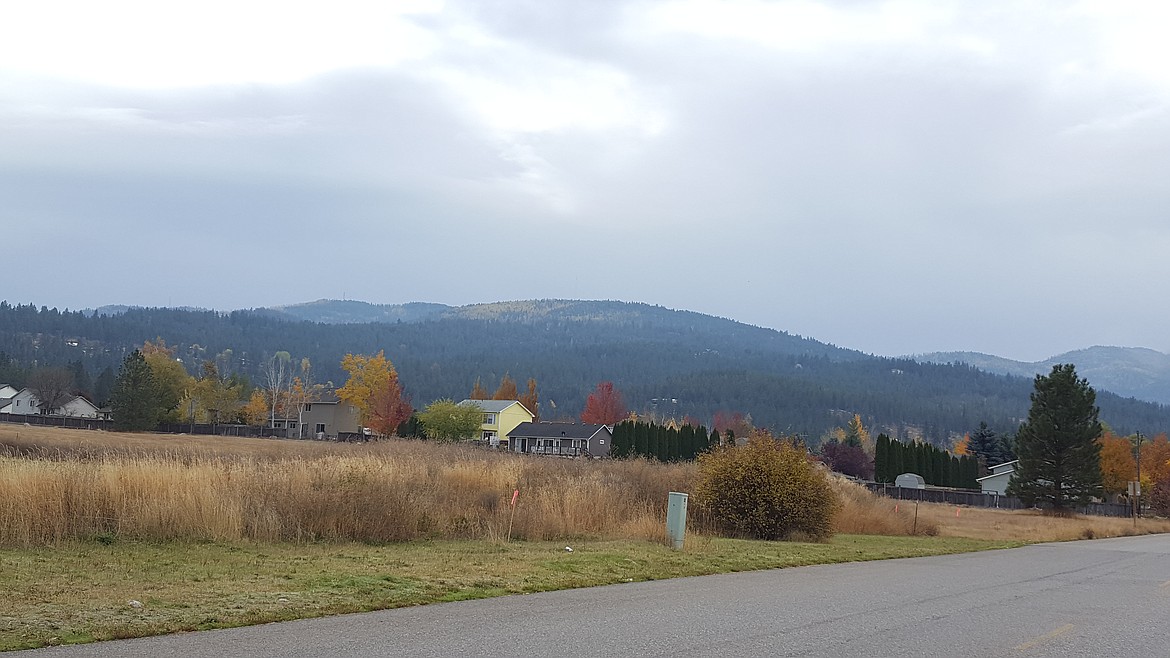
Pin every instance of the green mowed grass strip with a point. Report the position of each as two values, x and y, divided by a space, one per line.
82 592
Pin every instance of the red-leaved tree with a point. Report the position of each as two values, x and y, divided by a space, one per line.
389 408
604 406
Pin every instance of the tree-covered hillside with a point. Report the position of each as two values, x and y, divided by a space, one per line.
675 363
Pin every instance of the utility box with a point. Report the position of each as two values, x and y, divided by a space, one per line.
676 519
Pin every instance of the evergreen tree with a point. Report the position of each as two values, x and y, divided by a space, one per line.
988 446
1059 456
136 401
881 459
82 383
622 440
103 386
897 451
641 440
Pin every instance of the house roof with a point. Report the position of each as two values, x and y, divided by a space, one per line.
5 402
553 430
494 406
76 398
995 475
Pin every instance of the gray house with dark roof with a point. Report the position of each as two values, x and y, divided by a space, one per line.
563 439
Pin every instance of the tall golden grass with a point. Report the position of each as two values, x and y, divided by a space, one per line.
52 492
60 485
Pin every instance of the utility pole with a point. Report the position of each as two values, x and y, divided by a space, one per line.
1137 487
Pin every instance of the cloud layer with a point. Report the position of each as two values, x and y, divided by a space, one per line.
892 176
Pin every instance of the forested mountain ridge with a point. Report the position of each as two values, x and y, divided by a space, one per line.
673 363
1127 371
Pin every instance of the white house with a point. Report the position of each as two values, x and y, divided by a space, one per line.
997 481
25 402
7 392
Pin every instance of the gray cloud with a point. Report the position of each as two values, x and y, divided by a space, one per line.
961 179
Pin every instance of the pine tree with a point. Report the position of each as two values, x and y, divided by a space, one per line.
136 401
1059 456
103 387
987 445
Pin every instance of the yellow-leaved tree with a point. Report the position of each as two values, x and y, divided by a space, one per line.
255 412
373 390
170 376
1118 467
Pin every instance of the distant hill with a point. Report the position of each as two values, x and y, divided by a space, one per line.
666 362
1134 372
333 311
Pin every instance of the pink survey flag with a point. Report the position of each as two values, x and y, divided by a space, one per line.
515 495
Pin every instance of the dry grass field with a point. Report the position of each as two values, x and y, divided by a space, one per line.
60 485
206 532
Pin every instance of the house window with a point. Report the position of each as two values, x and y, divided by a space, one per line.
308 407
489 419
320 428
292 424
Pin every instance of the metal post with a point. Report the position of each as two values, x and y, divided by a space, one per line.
676 519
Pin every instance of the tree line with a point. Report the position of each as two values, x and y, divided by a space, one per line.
936 466
699 366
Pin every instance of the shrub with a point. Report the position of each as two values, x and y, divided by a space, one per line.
766 490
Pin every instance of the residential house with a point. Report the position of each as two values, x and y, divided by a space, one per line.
564 439
26 402
7 392
330 418
500 417
997 481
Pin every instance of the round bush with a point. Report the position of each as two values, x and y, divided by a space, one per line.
765 490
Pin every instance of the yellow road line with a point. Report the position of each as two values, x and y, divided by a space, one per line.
1044 638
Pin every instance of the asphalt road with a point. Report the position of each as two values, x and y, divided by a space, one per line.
1107 597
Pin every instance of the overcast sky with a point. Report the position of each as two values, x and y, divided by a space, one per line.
896 177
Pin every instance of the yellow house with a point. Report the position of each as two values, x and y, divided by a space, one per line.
499 418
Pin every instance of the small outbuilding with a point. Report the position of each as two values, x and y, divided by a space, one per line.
997 481
910 481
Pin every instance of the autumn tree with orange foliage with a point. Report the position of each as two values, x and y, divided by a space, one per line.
531 400
963 446
1118 467
478 392
507 389
1155 460
604 406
